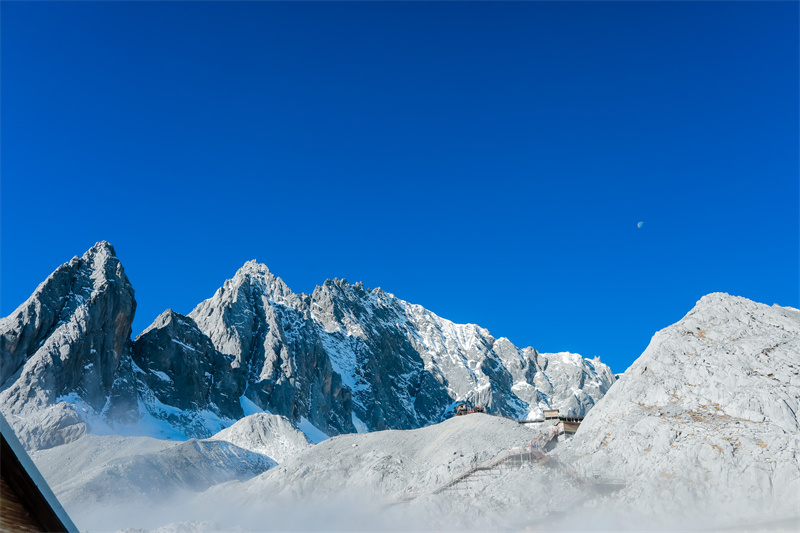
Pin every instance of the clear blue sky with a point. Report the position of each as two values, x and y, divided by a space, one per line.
489 161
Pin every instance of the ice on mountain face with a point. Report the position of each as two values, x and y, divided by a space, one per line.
360 426
248 407
707 415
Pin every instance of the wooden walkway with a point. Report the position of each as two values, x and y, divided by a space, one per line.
517 457
510 457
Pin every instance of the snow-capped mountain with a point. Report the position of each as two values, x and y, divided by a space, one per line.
342 359
346 358
703 427
65 352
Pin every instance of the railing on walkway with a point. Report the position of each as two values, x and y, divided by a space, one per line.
516 457
510 457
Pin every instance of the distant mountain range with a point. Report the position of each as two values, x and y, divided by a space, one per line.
343 359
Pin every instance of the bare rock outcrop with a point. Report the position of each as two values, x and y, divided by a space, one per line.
269 333
69 344
178 366
348 357
345 358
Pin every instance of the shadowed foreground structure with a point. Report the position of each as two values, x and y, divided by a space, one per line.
26 501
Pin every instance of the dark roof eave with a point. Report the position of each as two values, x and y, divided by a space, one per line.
22 475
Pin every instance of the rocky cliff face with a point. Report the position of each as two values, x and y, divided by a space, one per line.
270 335
707 417
70 340
347 356
342 359
177 365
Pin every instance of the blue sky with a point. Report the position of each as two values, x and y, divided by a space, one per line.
489 161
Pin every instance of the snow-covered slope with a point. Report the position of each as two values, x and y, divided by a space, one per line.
392 463
385 480
96 470
701 432
707 416
270 435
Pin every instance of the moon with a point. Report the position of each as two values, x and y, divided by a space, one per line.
640 224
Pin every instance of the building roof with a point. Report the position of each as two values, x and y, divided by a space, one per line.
25 479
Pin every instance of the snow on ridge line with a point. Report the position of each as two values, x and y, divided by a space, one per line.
267 434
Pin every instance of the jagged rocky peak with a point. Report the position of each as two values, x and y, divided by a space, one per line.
267 329
232 317
337 303
259 277
55 300
343 357
71 337
708 413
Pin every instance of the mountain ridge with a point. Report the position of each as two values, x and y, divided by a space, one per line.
702 428
342 359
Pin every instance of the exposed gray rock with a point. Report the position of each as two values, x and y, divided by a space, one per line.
70 339
342 359
269 332
179 364
348 355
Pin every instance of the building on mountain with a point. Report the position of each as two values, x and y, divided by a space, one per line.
26 502
550 414
568 425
